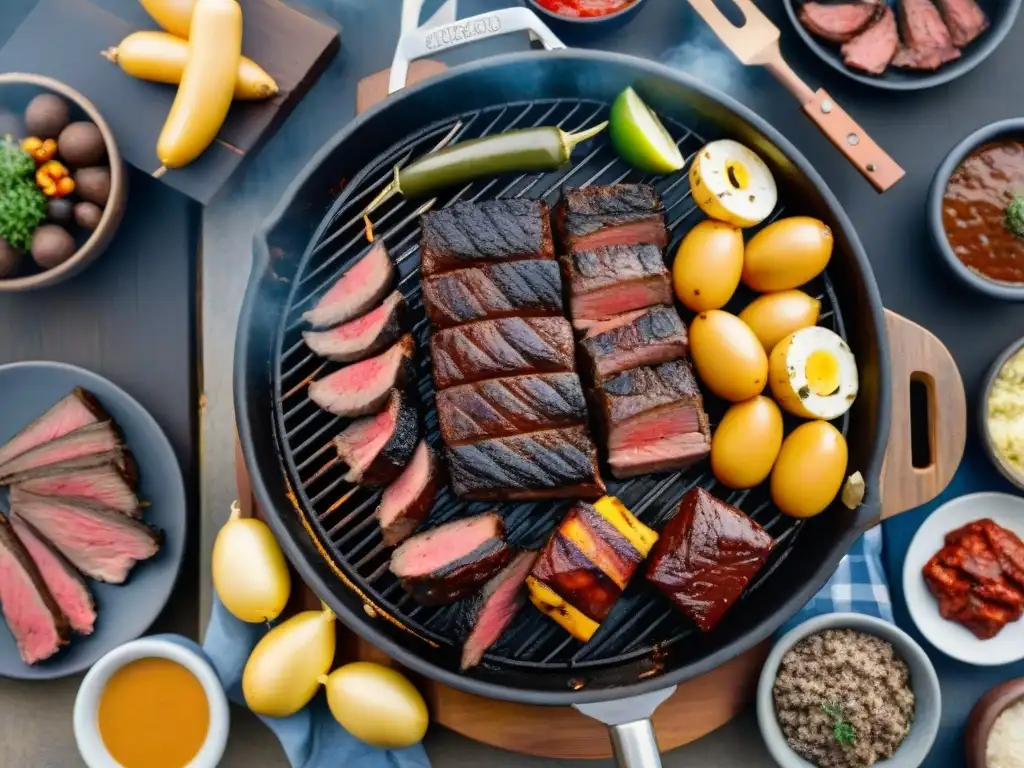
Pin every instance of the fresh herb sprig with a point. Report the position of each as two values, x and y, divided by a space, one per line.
842 730
1013 216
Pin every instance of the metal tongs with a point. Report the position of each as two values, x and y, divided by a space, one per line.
756 43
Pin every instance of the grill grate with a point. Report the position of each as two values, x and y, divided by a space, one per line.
342 514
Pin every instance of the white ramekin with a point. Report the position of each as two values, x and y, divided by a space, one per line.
86 720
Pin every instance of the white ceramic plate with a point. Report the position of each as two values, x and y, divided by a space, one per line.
948 636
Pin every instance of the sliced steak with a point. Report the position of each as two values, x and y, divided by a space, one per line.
377 448
74 411
618 214
507 347
407 501
33 616
652 446
873 49
67 586
598 327
964 19
839 23
656 336
363 337
927 60
364 387
103 483
120 458
706 556
449 562
609 281
496 230
487 614
554 464
643 389
514 289
358 291
921 26
502 407
101 437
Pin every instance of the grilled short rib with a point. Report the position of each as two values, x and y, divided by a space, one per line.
363 337
513 289
506 347
553 464
364 387
74 411
706 556
508 406
377 448
487 614
873 49
965 20
656 336
407 501
360 289
610 281
101 481
100 437
840 22
618 214
492 231
452 561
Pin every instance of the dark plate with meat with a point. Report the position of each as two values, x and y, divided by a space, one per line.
74 502
903 45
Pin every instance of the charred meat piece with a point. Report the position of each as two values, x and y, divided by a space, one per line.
873 49
93 439
965 20
618 214
449 562
496 230
103 483
365 387
656 336
377 448
119 458
363 337
597 327
66 585
359 290
1008 548
509 406
706 556
514 289
838 23
640 390
554 464
507 347
102 543
609 281
76 410
484 616
921 26
33 616
926 60
407 501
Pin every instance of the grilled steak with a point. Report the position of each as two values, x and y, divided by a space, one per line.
502 407
496 230
839 23
964 19
505 347
453 560
873 49
407 501
921 26
706 556
120 458
100 437
610 323
74 411
640 390
554 464
485 615
33 616
609 281
363 337
66 585
618 214
102 543
358 291
364 387
656 336
926 60
377 448
103 483
513 289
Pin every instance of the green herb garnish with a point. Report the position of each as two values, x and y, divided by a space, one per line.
16 165
1013 217
22 210
842 730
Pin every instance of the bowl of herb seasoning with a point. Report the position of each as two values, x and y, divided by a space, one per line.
846 690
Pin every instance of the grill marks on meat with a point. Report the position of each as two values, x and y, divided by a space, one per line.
508 406
365 387
363 337
519 289
558 463
706 556
839 23
506 347
377 448
358 291
610 281
101 437
103 483
656 336
496 230
617 214
74 411
873 49
453 560
965 20
407 501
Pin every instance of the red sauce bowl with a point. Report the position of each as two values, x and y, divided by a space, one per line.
597 16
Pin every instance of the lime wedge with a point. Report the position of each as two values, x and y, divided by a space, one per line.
639 137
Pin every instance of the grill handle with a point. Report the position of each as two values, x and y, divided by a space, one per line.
425 42
629 727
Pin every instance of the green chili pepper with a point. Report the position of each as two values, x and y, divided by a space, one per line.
1013 218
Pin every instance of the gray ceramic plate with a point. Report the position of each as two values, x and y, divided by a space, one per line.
123 612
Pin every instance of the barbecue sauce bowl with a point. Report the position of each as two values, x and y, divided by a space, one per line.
577 29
